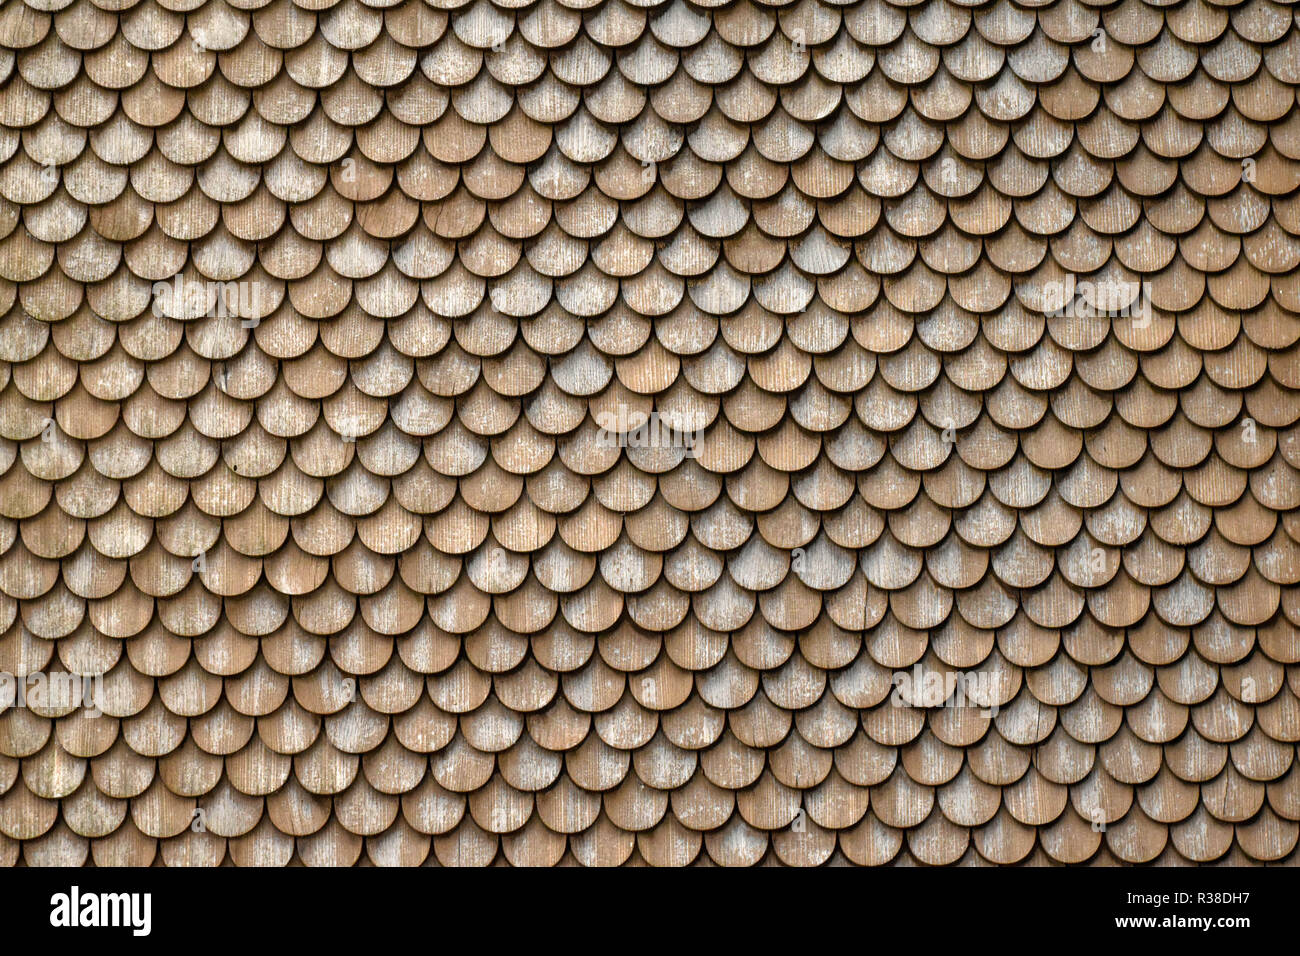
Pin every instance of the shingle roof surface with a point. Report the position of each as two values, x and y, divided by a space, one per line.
375 572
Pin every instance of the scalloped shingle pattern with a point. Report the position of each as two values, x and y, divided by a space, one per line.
369 584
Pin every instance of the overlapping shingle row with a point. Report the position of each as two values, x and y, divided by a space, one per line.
328 328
